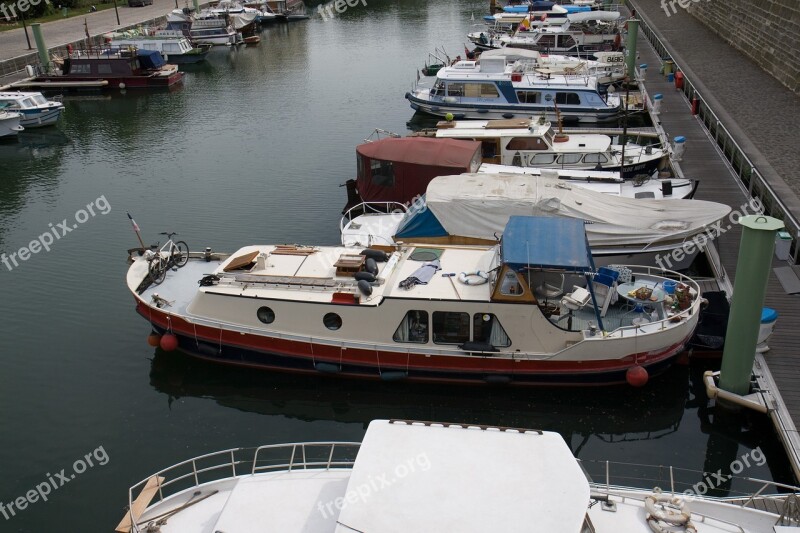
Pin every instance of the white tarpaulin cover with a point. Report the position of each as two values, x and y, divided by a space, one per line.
479 205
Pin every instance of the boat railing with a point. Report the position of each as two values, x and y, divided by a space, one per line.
379 133
726 485
365 208
236 462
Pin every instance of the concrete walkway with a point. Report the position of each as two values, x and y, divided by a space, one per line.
759 111
61 32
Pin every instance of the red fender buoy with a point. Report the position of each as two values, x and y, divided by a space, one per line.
154 339
637 376
169 342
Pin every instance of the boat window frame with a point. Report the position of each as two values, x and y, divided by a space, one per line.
421 332
527 144
601 158
386 176
526 100
563 158
332 321
435 334
479 319
567 97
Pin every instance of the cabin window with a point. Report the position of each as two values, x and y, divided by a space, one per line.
455 89
486 328
150 46
266 315
450 327
542 159
332 321
595 158
569 159
171 47
568 98
382 173
528 97
103 68
413 328
527 143
546 41
489 149
480 90
438 88
359 167
80 68
510 286
567 41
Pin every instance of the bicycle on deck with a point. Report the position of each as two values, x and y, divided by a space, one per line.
172 254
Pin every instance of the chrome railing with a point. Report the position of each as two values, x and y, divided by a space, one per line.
684 481
370 207
234 462
744 169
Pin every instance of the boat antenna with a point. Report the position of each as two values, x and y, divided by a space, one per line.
624 128
559 137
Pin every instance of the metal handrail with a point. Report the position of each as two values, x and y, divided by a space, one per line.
761 484
371 207
171 476
737 153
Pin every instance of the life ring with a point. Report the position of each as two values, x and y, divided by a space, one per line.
677 512
476 277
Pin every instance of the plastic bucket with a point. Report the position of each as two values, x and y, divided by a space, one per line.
669 286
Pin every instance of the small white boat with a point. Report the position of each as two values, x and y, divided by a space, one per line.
9 123
36 110
475 208
427 477
214 31
534 144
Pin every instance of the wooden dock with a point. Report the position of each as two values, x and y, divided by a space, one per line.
778 371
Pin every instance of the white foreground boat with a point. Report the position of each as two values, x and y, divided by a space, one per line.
36 110
533 143
422 477
9 123
475 208
395 316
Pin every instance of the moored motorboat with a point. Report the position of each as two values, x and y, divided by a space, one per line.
36 110
394 316
111 68
9 123
172 44
534 144
475 208
494 88
524 480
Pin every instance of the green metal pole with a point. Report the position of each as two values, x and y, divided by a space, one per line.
630 49
749 290
196 6
44 55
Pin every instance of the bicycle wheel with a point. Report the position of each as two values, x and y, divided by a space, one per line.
157 269
180 254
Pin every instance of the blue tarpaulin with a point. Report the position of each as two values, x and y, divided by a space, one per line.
545 242
150 59
420 223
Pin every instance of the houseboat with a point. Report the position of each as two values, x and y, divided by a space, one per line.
36 110
9 123
460 314
211 30
495 478
172 45
533 143
111 68
493 88
475 208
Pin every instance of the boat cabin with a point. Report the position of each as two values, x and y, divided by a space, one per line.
399 169
118 63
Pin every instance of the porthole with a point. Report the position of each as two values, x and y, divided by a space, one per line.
266 315
332 321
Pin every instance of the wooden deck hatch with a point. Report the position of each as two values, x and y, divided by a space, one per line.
349 264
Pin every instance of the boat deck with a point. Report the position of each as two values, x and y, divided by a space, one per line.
778 372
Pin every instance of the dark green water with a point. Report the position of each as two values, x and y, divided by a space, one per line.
251 149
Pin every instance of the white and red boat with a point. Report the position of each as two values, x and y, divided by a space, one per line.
529 310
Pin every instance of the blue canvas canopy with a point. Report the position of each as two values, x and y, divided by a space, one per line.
420 223
546 242
150 59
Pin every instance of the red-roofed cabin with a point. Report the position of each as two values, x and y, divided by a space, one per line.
399 169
